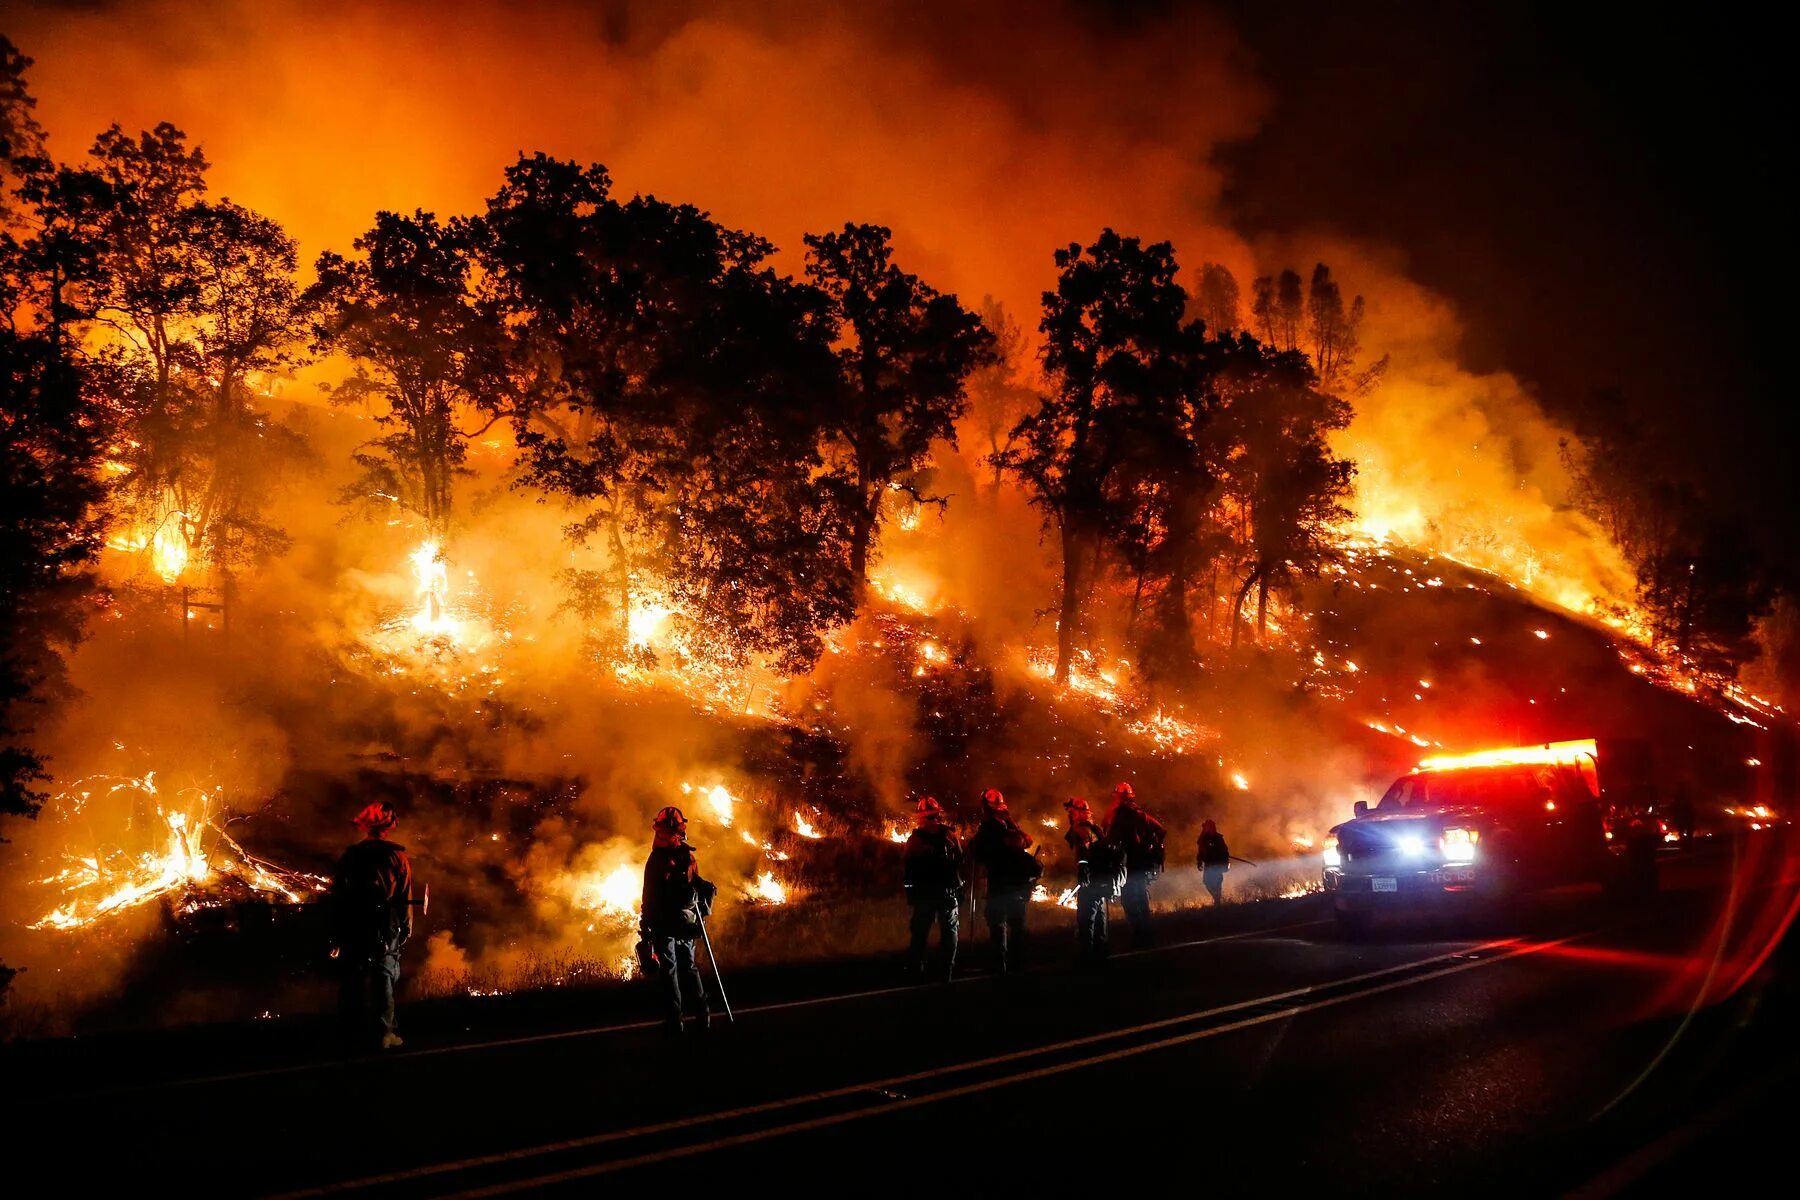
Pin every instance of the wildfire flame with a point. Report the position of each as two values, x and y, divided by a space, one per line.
766 889
805 828
433 574
615 894
181 862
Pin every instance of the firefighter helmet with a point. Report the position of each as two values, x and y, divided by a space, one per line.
929 809
1124 792
994 800
1075 804
1209 826
670 817
376 818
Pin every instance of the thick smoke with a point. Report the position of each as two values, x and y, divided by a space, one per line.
985 140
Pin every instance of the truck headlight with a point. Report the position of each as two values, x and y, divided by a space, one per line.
1332 857
1458 845
1411 845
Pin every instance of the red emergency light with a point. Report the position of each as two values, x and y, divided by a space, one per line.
1546 754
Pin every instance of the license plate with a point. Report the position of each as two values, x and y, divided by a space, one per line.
1384 883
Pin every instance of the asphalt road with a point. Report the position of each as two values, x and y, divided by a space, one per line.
1565 1049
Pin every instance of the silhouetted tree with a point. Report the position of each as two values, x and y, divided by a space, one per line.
1110 330
676 392
906 351
423 351
1331 328
190 306
1286 488
1279 310
52 437
1217 299
1699 580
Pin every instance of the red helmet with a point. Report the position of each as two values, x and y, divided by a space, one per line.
994 800
376 818
670 817
1124 792
1209 826
929 809
1076 805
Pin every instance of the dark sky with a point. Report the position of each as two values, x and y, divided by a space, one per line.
1595 191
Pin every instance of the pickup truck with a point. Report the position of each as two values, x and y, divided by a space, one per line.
1472 828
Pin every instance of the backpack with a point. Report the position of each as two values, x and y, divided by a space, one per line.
1151 846
932 861
1106 869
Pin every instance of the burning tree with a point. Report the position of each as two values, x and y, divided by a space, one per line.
1284 488
674 390
188 306
423 350
1111 329
906 352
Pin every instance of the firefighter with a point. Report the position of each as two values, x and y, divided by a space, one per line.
371 911
1096 880
1138 837
1213 857
675 901
934 860
1004 852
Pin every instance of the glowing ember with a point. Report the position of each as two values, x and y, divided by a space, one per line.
1169 733
767 889
1240 781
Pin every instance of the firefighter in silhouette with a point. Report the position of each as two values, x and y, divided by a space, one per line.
675 900
371 912
1213 857
1004 852
934 860
1099 873
1138 837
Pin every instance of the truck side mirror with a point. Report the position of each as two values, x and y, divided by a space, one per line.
1360 808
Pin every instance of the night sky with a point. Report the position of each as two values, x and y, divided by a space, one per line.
1595 191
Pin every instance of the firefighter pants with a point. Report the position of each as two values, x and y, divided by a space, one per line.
680 978
946 915
1214 876
366 995
1005 912
1090 923
1136 901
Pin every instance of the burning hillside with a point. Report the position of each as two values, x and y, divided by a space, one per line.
535 507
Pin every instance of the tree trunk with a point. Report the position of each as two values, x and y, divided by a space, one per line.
622 572
1262 609
1071 603
1237 605
862 533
